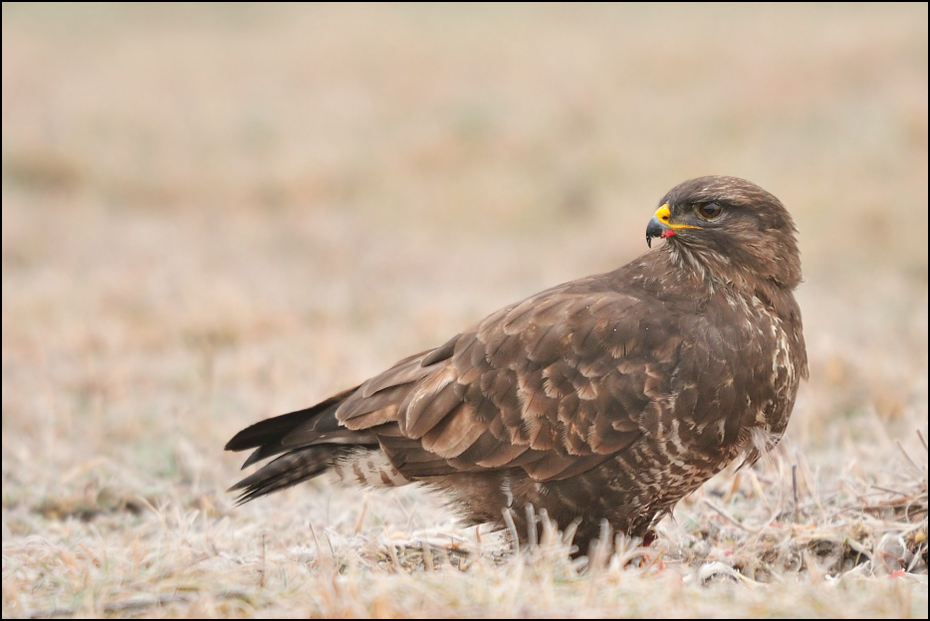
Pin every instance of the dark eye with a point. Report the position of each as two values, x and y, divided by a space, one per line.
708 211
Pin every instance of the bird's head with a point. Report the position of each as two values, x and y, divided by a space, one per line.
726 227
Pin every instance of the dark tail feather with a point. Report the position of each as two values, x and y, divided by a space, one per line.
311 440
289 469
273 430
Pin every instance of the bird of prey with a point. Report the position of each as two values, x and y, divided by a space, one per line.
607 398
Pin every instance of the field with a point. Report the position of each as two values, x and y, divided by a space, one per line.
216 214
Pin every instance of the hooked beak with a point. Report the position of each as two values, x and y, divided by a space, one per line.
661 226
658 226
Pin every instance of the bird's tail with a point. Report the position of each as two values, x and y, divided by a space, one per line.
312 442
287 470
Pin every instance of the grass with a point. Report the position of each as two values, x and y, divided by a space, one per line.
213 214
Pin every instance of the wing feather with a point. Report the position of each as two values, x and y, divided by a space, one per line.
551 385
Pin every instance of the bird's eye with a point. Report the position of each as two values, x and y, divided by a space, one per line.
708 211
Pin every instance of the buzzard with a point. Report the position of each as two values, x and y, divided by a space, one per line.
605 398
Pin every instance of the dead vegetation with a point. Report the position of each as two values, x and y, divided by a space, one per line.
213 214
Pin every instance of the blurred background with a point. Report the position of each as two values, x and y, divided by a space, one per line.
217 213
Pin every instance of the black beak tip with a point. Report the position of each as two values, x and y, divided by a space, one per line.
655 228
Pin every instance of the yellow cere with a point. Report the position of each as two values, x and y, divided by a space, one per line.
663 213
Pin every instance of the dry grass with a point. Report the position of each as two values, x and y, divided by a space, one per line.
215 214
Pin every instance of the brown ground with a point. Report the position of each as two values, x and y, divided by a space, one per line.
217 214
